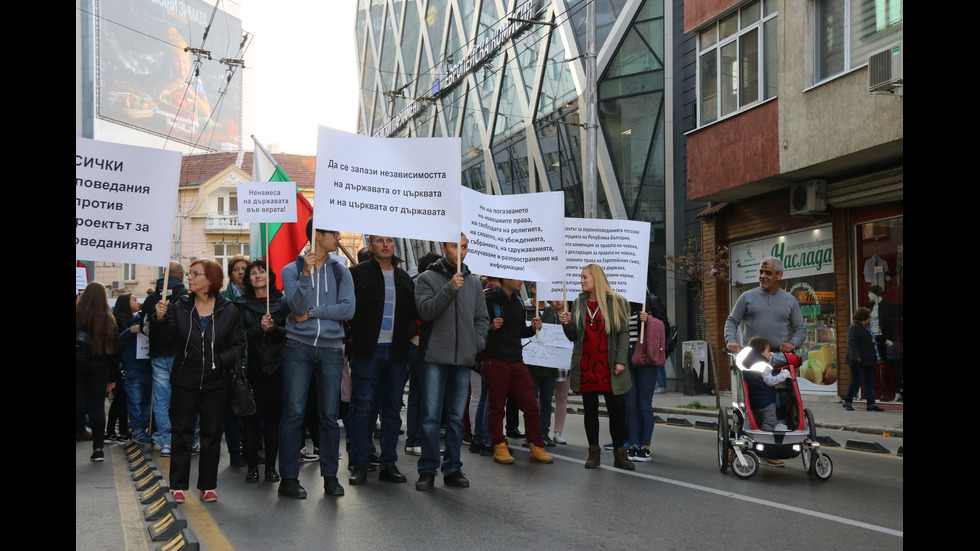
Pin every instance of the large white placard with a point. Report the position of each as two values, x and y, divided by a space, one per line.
515 236
273 202
550 348
620 247
400 187
125 201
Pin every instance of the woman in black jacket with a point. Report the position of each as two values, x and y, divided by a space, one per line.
264 313
862 356
206 330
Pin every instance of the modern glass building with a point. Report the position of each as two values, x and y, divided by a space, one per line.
508 78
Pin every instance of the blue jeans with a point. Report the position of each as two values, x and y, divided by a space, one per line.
481 432
442 384
379 381
544 391
162 366
639 405
662 376
301 363
413 418
139 394
865 374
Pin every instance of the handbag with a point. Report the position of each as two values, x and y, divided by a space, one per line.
240 396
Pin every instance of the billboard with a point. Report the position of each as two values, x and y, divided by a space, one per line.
151 75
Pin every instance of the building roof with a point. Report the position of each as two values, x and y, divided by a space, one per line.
195 169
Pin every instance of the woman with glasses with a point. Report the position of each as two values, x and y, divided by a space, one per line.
206 330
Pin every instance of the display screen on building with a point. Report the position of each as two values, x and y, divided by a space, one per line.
146 73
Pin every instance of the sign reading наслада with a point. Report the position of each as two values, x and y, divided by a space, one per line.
398 187
125 200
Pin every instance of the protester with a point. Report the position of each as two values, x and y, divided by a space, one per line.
544 378
206 329
639 399
506 372
122 311
598 325
383 325
264 312
139 375
162 358
561 388
236 278
320 295
96 359
454 326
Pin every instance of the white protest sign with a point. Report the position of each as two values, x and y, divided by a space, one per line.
514 236
620 247
125 200
81 278
400 187
551 348
273 202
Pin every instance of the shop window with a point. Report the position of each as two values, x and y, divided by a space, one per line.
880 277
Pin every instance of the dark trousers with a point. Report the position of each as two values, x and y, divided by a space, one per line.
616 407
90 383
268 404
190 407
511 377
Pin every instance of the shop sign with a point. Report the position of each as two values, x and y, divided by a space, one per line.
804 253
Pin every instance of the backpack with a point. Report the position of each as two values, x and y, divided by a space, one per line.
83 348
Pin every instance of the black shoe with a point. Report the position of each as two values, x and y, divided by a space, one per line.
875 408
332 486
391 474
476 447
358 476
271 475
373 459
514 433
457 479
426 481
848 407
252 476
486 451
291 488
548 442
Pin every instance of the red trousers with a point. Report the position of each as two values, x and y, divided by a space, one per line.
513 378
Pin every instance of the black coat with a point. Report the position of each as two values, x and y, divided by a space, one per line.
860 346
265 350
369 293
203 358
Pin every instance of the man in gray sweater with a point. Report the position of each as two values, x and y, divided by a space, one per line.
767 312
454 328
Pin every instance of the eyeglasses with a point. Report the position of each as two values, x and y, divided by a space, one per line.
196 274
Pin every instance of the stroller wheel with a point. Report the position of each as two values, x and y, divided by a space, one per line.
823 467
747 470
807 456
724 442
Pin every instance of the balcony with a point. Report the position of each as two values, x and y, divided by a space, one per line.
224 222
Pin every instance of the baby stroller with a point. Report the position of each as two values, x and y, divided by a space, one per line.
740 441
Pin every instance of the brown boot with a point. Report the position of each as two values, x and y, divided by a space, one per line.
621 459
538 455
501 454
593 461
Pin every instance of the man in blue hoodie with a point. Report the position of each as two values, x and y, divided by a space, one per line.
320 294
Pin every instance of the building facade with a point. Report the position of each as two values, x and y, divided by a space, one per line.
799 148
508 78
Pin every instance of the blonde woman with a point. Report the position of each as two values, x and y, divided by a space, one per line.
598 325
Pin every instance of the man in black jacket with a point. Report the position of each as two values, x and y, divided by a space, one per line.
384 322
162 357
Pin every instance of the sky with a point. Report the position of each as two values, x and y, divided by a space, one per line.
302 65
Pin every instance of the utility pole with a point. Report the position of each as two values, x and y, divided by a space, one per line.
590 199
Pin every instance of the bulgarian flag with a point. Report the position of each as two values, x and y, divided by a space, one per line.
285 241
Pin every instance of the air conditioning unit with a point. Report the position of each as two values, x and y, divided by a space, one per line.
808 197
885 69
116 285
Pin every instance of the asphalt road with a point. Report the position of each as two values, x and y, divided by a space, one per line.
679 500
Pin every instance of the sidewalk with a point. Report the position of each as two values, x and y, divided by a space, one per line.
828 412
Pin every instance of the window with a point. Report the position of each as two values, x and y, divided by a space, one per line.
737 61
846 32
129 272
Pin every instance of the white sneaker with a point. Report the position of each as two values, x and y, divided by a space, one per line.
306 455
413 450
559 439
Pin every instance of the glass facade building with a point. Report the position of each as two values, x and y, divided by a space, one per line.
513 92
